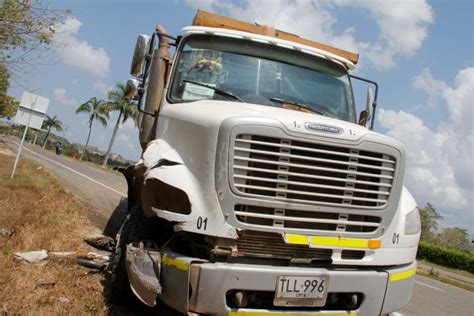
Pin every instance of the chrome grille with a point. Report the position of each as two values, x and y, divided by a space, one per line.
302 172
308 220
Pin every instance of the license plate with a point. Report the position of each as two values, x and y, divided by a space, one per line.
301 290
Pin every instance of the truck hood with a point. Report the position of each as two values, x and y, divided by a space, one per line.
211 113
198 139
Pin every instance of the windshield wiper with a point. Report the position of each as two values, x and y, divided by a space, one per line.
303 106
217 90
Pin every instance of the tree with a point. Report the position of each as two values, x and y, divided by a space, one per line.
26 32
127 109
97 112
8 106
49 123
4 76
454 237
429 222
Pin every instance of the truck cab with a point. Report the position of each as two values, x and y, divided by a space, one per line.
261 190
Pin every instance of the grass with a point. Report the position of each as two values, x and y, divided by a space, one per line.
439 267
43 215
433 274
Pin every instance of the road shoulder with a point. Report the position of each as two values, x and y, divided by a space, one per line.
436 272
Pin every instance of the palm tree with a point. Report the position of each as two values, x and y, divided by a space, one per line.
97 112
49 123
127 109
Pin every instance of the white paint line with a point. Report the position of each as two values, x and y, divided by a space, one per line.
427 285
76 172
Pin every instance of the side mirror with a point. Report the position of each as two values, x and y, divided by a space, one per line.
366 115
141 50
369 103
131 88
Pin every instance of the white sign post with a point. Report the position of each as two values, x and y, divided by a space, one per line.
30 113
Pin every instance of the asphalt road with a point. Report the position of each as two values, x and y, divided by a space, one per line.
102 190
431 297
105 190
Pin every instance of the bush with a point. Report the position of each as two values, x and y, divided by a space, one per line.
446 257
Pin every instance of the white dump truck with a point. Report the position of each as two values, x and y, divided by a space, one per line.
261 190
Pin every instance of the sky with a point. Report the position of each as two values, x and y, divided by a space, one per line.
420 52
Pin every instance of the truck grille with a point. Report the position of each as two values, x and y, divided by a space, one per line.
307 220
271 245
302 172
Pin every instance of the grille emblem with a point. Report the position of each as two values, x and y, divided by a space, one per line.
323 128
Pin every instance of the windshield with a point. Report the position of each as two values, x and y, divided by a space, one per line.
219 68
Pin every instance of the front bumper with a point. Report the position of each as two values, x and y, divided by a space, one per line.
193 285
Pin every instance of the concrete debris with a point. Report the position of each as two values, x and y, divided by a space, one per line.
39 168
101 242
93 256
62 253
6 232
45 283
63 299
32 256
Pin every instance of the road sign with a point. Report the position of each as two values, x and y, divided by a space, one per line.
32 109
30 113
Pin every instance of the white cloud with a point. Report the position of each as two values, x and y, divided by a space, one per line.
129 125
440 165
60 95
79 53
127 142
402 24
433 87
101 87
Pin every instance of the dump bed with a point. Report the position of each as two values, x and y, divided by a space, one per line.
208 19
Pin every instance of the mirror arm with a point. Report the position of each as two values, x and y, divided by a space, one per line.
374 104
166 35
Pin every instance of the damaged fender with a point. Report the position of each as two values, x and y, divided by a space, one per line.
172 192
144 268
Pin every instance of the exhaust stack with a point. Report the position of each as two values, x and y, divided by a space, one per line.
156 85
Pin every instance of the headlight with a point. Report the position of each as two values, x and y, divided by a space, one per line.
412 222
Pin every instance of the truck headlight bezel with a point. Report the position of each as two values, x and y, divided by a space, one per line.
413 222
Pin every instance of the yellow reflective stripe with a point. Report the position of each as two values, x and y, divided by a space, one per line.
402 275
332 241
339 242
290 314
296 239
179 264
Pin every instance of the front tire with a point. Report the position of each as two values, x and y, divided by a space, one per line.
120 292
135 228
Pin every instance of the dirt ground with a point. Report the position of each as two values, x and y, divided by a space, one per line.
41 214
